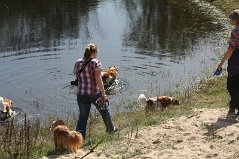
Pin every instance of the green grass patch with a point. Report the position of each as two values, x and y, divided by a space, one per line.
31 140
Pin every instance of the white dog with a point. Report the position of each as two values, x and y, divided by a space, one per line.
6 109
160 102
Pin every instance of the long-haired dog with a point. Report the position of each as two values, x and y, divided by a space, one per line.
109 75
63 136
6 108
75 140
161 102
113 71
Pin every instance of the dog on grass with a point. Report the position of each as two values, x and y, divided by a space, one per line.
158 102
63 136
6 111
75 141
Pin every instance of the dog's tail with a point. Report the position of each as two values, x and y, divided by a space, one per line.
142 98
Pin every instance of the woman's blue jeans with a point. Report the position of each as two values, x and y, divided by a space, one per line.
84 103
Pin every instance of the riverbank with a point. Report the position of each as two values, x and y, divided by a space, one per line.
225 5
198 128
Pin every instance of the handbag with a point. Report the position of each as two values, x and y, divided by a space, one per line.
75 82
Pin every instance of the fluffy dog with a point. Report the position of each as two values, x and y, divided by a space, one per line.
6 108
56 123
75 140
113 71
109 75
64 137
161 102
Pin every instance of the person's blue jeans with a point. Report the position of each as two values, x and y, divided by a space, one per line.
84 103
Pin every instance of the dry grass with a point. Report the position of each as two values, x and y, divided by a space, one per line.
21 141
31 140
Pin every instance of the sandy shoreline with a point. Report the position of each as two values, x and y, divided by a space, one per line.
208 133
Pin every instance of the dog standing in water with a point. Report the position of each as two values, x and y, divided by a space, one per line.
6 109
109 75
161 102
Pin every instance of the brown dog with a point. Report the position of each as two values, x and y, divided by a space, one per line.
6 111
160 102
75 140
109 75
64 137
113 71
60 133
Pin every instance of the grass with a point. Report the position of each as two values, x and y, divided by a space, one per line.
225 5
32 140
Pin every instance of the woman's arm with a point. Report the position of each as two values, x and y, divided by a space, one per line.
226 56
99 82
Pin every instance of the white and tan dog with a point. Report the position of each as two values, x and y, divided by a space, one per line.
109 75
6 109
161 102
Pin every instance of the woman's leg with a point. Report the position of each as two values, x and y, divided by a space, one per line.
233 89
107 120
84 107
105 115
231 93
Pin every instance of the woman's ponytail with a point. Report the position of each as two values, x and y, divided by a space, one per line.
89 50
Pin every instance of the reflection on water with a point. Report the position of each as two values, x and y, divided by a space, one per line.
42 24
153 43
166 27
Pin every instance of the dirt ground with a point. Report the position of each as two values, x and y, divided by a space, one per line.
208 133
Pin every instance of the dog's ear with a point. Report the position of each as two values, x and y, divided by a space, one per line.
116 68
175 101
149 102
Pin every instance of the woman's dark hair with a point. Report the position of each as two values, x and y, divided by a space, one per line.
234 15
89 50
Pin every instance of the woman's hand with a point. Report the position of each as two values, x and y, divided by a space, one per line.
226 56
105 98
219 66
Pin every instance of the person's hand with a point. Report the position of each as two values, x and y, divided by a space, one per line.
105 98
219 66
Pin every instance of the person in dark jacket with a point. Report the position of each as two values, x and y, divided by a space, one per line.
232 54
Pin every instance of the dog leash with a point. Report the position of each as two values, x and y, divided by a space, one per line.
75 83
84 65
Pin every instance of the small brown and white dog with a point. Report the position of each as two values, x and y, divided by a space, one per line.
6 108
113 71
161 102
63 136
109 75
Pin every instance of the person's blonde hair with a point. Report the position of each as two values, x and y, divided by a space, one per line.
234 15
89 50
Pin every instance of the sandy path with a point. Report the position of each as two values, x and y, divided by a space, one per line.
208 133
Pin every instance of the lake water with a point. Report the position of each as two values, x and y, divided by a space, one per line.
157 45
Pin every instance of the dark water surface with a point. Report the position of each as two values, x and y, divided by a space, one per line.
155 44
